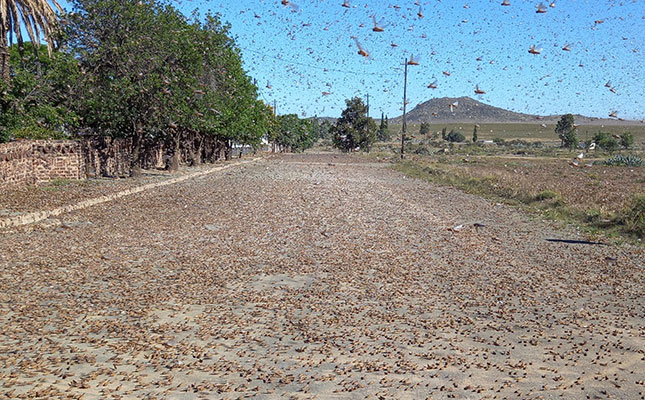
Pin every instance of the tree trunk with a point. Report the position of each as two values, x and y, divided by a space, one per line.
173 162
210 150
136 157
228 151
196 149
4 55
136 150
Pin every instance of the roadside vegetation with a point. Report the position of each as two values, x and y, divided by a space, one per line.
142 71
596 187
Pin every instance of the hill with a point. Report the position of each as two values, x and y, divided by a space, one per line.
470 110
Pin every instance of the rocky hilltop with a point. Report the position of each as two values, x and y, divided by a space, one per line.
465 109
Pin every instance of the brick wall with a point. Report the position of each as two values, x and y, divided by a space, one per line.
35 161
15 163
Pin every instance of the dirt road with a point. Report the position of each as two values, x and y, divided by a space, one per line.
315 276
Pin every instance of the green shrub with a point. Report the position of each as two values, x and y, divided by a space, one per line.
420 149
632 218
455 136
498 141
625 160
547 198
566 131
424 129
627 140
592 216
546 195
605 141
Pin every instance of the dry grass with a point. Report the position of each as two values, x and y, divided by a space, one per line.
531 132
598 197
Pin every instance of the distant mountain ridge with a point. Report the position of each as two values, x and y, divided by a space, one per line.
466 110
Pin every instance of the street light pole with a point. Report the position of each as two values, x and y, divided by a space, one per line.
405 101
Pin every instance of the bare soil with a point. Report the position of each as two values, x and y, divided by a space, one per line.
315 276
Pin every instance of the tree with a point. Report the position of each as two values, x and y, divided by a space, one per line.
424 129
37 17
153 75
354 129
566 131
383 133
129 54
475 134
37 102
294 134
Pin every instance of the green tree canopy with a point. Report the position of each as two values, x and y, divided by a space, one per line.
566 131
354 129
294 134
37 102
36 16
455 136
150 73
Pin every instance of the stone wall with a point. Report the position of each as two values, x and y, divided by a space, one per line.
35 161
15 163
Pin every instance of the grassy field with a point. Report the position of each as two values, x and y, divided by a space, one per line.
531 132
601 199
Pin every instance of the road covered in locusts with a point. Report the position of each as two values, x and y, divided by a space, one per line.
315 276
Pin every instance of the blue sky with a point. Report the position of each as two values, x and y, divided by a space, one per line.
296 54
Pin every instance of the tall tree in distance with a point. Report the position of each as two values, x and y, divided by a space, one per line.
424 129
566 131
383 133
354 130
294 134
36 16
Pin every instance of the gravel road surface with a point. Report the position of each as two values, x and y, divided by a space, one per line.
315 276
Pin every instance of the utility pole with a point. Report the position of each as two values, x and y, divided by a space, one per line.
275 113
368 105
405 100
